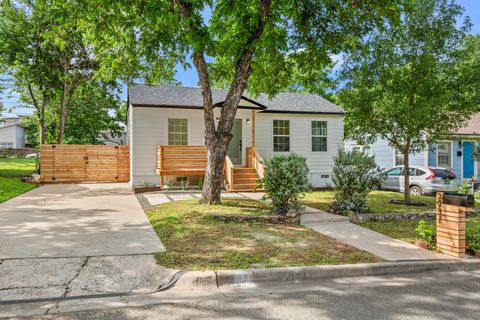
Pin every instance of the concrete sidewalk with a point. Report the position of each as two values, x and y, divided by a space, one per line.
338 227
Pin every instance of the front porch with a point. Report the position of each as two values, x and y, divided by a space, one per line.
186 161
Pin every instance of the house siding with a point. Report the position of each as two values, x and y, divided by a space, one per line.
148 128
13 134
319 163
385 155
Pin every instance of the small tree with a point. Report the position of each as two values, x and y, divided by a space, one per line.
416 81
354 175
285 181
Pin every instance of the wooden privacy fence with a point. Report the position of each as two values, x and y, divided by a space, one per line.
84 163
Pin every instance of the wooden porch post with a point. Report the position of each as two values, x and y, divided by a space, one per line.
253 128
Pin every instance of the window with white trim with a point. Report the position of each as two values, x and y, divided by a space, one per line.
444 154
319 136
177 132
363 149
399 158
281 135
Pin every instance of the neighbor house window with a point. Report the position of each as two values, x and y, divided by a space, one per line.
444 154
177 132
281 135
319 136
399 158
363 149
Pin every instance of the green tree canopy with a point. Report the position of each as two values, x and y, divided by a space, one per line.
413 82
232 43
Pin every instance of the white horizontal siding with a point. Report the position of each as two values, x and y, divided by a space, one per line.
319 163
148 128
384 154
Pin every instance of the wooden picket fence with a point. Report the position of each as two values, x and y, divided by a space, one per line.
84 163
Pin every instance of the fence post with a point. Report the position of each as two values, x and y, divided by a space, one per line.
450 222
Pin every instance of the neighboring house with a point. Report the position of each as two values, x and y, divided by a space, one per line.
12 133
454 152
107 138
305 124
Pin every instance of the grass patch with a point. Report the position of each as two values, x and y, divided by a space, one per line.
404 230
11 173
377 202
194 241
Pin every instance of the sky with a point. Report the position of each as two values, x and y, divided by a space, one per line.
189 77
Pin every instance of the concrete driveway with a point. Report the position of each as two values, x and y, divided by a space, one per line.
75 220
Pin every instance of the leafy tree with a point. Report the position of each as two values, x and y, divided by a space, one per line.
43 49
255 42
413 82
96 109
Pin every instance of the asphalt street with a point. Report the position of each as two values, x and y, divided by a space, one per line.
454 295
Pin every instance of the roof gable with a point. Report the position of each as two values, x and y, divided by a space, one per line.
190 97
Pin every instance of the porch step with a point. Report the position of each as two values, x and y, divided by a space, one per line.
245 179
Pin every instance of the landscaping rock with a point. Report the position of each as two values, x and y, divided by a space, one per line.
361 217
273 219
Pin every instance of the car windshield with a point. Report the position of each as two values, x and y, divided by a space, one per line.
444 174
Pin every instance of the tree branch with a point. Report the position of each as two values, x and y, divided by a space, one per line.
242 71
202 70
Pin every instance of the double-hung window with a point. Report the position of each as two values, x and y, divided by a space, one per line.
319 136
281 135
399 158
444 154
177 132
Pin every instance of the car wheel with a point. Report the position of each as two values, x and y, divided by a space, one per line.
415 191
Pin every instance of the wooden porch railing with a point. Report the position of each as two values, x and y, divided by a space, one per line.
228 172
258 163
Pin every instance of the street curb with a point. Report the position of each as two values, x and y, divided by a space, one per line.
297 274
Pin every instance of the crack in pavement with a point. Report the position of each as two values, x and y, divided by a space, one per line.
67 285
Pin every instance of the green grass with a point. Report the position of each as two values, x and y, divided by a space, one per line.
194 241
377 202
404 230
11 172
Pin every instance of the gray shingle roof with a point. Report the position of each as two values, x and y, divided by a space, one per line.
176 96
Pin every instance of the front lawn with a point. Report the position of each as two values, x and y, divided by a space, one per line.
377 202
404 230
195 241
11 172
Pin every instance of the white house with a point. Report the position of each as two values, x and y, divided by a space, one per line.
12 133
172 117
454 152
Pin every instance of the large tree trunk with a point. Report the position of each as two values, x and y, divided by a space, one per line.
406 177
212 186
218 138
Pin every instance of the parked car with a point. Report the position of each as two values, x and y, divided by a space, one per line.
423 180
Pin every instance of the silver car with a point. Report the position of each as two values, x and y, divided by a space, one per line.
423 180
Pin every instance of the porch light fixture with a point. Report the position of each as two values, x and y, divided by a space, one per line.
217 119
248 122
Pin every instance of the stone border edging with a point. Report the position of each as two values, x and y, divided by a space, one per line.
362 217
298 274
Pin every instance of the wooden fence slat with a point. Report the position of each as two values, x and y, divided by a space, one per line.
84 163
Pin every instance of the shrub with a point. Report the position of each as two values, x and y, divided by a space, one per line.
472 238
285 181
464 187
354 175
426 232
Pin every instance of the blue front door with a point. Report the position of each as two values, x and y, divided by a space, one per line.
468 169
